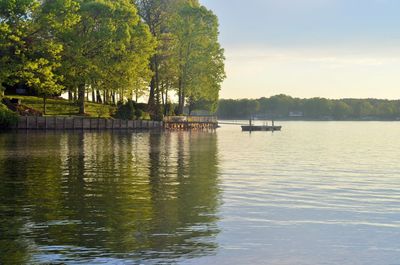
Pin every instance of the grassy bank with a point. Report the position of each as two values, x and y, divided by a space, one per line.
62 107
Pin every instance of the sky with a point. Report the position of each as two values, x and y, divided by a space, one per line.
310 48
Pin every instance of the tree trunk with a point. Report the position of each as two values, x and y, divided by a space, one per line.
183 102
190 106
93 95
113 98
166 109
154 106
81 99
162 94
44 104
180 97
70 96
75 95
99 100
105 97
153 81
151 101
121 95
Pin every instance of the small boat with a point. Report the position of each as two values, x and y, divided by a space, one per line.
251 128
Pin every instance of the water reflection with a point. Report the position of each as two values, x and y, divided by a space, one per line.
104 197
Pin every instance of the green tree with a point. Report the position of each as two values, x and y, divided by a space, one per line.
363 108
30 52
341 110
127 70
200 57
155 14
104 46
317 107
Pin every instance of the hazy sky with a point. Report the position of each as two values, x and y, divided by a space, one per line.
307 48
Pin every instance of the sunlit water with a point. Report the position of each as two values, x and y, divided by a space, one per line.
315 193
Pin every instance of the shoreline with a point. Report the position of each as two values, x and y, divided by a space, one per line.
83 123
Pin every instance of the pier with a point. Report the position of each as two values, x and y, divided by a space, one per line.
266 128
190 123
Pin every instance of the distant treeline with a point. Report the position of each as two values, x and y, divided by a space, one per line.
286 107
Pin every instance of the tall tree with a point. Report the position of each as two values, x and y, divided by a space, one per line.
102 44
155 14
200 57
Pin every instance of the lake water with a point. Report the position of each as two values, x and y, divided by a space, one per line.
315 193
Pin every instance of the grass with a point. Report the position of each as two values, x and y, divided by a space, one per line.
62 107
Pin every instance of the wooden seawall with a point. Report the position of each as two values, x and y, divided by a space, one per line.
80 123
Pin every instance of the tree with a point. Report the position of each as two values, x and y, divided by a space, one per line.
279 105
30 53
104 46
127 71
341 110
200 57
155 14
317 107
363 108
189 58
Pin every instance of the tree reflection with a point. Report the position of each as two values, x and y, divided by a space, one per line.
112 195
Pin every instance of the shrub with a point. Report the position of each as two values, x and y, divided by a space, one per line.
8 118
170 109
146 116
138 114
125 111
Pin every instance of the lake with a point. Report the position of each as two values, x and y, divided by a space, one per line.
315 193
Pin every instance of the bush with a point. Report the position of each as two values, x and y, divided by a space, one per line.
7 117
125 111
139 114
146 116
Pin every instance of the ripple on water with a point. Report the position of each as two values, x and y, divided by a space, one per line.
315 193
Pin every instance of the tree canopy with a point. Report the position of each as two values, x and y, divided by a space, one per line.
116 50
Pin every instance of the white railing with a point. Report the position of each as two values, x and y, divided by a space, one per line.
193 119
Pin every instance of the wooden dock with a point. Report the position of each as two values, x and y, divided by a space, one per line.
190 123
265 128
255 128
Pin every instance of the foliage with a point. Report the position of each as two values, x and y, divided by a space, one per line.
117 50
189 59
200 57
139 113
126 111
8 118
30 52
314 108
130 110
155 14
108 49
